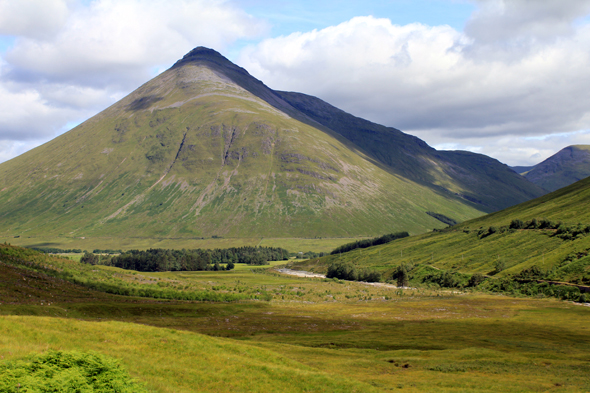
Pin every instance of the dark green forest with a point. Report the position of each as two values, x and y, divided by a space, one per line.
369 242
164 260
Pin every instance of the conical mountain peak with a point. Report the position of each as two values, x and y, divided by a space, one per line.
212 59
206 149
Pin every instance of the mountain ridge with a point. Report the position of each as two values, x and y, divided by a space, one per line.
206 149
460 173
565 167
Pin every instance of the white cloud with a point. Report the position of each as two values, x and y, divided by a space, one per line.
521 23
24 114
37 19
436 83
517 150
11 148
117 42
518 70
72 58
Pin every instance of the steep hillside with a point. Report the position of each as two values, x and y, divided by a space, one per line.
206 150
565 167
479 180
478 245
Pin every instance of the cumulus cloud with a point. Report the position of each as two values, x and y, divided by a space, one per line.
116 41
510 85
72 58
519 69
36 19
518 23
11 148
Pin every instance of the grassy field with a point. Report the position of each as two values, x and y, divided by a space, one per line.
126 243
313 335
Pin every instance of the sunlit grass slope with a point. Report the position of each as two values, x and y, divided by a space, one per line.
172 361
193 154
468 247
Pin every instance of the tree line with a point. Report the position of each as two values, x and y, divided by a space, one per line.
346 271
563 231
161 260
369 242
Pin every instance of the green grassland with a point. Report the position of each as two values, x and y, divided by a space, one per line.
312 335
136 243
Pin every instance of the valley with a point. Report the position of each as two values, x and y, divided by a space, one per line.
304 336
479 277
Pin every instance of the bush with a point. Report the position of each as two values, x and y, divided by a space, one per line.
491 230
475 280
547 224
532 224
346 271
401 276
58 371
516 224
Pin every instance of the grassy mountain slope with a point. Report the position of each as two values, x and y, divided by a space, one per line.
192 153
561 169
479 180
471 247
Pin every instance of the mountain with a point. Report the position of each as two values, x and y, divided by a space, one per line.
481 181
204 149
565 167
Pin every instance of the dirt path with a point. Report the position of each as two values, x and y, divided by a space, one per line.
300 273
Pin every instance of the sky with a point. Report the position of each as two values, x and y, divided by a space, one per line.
505 78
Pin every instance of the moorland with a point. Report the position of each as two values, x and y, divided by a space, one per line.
285 333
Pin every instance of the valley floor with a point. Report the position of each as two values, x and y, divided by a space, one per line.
319 244
315 335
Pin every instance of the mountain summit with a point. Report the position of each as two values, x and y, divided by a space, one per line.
565 167
205 149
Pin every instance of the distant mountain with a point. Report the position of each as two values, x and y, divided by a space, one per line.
565 167
205 149
522 170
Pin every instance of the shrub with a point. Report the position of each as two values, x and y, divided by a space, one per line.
476 279
546 224
402 277
58 371
499 266
533 224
